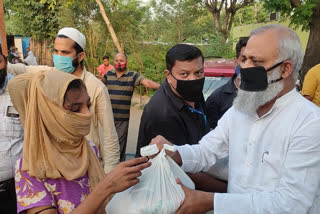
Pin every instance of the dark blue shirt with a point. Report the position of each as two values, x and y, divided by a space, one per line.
220 101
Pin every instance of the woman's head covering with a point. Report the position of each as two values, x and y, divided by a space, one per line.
54 138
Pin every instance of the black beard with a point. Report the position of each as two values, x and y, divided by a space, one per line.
3 75
121 69
75 63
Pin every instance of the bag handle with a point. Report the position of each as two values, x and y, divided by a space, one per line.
153 149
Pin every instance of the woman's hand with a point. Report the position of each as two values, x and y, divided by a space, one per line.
125 174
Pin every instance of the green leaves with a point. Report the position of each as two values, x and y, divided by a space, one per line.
36 19
299 15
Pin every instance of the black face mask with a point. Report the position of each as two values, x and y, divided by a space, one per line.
255 78
190 90
3 75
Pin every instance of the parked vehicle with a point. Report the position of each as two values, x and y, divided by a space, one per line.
217 72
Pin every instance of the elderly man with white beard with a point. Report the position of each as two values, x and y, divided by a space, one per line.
271 134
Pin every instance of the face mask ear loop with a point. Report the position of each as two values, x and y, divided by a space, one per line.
171 84
273 67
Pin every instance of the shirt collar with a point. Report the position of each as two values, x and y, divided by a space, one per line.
282 101
3 89
125 73
229 86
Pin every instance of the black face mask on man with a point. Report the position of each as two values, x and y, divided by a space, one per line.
3 75
190 90
256 78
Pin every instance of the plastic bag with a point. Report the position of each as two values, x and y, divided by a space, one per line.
156 193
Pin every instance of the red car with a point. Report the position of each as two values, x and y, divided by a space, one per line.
217 72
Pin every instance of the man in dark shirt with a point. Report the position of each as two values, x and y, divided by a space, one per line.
177 110
221 99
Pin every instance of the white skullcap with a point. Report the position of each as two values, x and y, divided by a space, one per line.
75 35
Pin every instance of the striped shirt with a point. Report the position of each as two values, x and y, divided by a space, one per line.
120 91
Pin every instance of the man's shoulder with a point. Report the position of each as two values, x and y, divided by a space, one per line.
38 68
315 70
110 72
216 94
160 106
306 105
92 81
133 73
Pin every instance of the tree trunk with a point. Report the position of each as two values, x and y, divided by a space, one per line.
3 31
312 54
110 28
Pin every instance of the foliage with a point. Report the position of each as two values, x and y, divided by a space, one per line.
223 13
147 31
305 14
299 15
33 18
251 14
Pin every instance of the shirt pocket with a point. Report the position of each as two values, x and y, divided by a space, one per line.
12 127
271 168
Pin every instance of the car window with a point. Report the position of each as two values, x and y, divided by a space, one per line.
212 83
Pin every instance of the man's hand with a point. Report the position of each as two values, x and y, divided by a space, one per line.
195 202
125 174
160 141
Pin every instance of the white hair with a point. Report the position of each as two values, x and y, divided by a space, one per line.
289 46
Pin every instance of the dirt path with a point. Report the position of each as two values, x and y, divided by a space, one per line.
135 116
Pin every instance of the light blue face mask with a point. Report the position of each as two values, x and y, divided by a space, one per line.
63 63
237 70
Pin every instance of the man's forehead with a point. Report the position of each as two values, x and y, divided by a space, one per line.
66 43
262 45
120 56
194 64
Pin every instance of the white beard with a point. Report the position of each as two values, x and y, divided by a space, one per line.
249 102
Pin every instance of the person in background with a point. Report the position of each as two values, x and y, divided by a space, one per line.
11 141
11 55
17 57
59 171
311 85
121 83
30 59
222 98
271 134
103 68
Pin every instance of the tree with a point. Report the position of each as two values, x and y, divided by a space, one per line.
230 8
110 28
3 34
35 18
304 13
251 14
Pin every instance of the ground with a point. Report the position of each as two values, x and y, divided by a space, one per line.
134 123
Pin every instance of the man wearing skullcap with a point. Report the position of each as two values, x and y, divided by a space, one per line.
68 56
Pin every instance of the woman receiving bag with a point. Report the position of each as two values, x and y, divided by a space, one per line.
59 171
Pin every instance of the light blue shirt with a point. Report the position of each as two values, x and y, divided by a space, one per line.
11 135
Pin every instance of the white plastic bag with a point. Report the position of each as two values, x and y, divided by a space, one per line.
156 193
